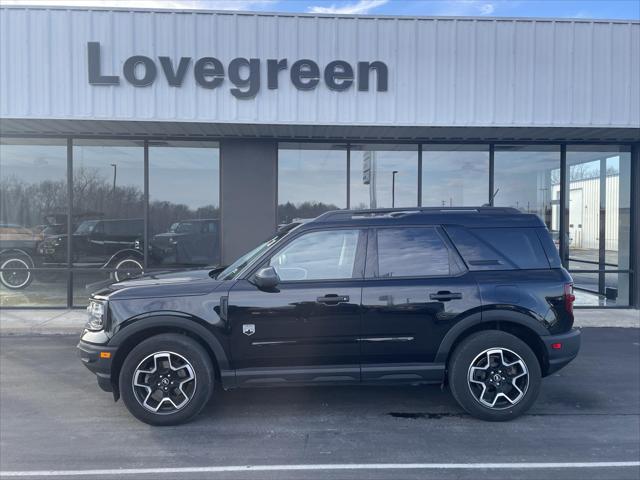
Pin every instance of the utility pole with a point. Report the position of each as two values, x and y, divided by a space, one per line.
393 188
115 172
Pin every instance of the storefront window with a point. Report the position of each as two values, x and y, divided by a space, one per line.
599 223
528 178
108 214
33 207
184 204
384 176
455 175
312 179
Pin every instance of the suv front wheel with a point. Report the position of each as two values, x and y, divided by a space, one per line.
494 375
167 379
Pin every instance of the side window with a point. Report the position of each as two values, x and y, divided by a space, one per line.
499 248
326 255
414 252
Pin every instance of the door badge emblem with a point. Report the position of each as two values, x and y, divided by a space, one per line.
248 329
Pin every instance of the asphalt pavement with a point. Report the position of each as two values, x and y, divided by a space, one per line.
56 422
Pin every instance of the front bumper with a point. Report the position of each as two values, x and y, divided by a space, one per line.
95 359
569 346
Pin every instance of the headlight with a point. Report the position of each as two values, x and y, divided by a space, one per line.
96 312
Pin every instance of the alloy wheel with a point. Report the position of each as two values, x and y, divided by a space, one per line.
132 269
164 382
15 273
498 378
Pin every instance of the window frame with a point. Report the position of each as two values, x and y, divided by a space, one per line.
358 266
372 271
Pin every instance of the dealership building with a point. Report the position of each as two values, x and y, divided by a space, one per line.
154 140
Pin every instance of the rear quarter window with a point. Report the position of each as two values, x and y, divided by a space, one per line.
499 248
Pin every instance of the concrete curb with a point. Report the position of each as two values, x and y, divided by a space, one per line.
70 322
41 322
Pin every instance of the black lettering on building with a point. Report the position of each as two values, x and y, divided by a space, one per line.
382 74
175 78
209 72
132 64
305 74
252 80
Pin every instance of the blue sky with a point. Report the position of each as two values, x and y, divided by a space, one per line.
608 9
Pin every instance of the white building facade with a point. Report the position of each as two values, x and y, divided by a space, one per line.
162 131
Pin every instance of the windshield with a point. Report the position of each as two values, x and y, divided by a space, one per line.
236 267
86 226
184 227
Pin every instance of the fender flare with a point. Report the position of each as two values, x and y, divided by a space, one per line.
487 316
18 252
128 252
180 322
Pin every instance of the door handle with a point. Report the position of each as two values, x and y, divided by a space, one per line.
333 299
445 296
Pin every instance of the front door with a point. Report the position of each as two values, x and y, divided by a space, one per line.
307 328
417 287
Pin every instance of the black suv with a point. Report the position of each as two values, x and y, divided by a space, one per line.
104 243
473 298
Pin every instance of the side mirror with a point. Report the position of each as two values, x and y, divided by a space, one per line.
266 278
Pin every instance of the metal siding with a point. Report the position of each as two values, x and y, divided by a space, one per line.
442 71
634 77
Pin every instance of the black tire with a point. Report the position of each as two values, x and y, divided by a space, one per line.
131 265
15 271
485 382
187 349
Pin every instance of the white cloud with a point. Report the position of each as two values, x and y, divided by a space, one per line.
487 9
358 8
464 7
154 4
583 14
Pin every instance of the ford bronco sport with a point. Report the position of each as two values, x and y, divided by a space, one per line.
474 298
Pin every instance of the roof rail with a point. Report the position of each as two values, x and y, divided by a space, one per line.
337 215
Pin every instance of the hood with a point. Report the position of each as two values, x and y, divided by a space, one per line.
163 284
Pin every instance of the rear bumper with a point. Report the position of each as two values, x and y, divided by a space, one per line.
569 346
90 355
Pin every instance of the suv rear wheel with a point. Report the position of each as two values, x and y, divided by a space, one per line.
15 271
166 380
494 375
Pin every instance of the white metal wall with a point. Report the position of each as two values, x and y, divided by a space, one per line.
457 72
587 236
586 233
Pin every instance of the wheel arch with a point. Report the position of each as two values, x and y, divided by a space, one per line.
130 336
525 327
17 252
127 253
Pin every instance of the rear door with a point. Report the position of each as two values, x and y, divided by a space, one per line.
416 289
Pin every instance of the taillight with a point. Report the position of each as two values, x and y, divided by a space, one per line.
569 297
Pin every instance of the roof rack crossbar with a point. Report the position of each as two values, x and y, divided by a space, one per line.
337 215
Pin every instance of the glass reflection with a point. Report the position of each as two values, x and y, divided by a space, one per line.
600 221
184 199
455 175
108 206
312 179
33 206
384 176
528 178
